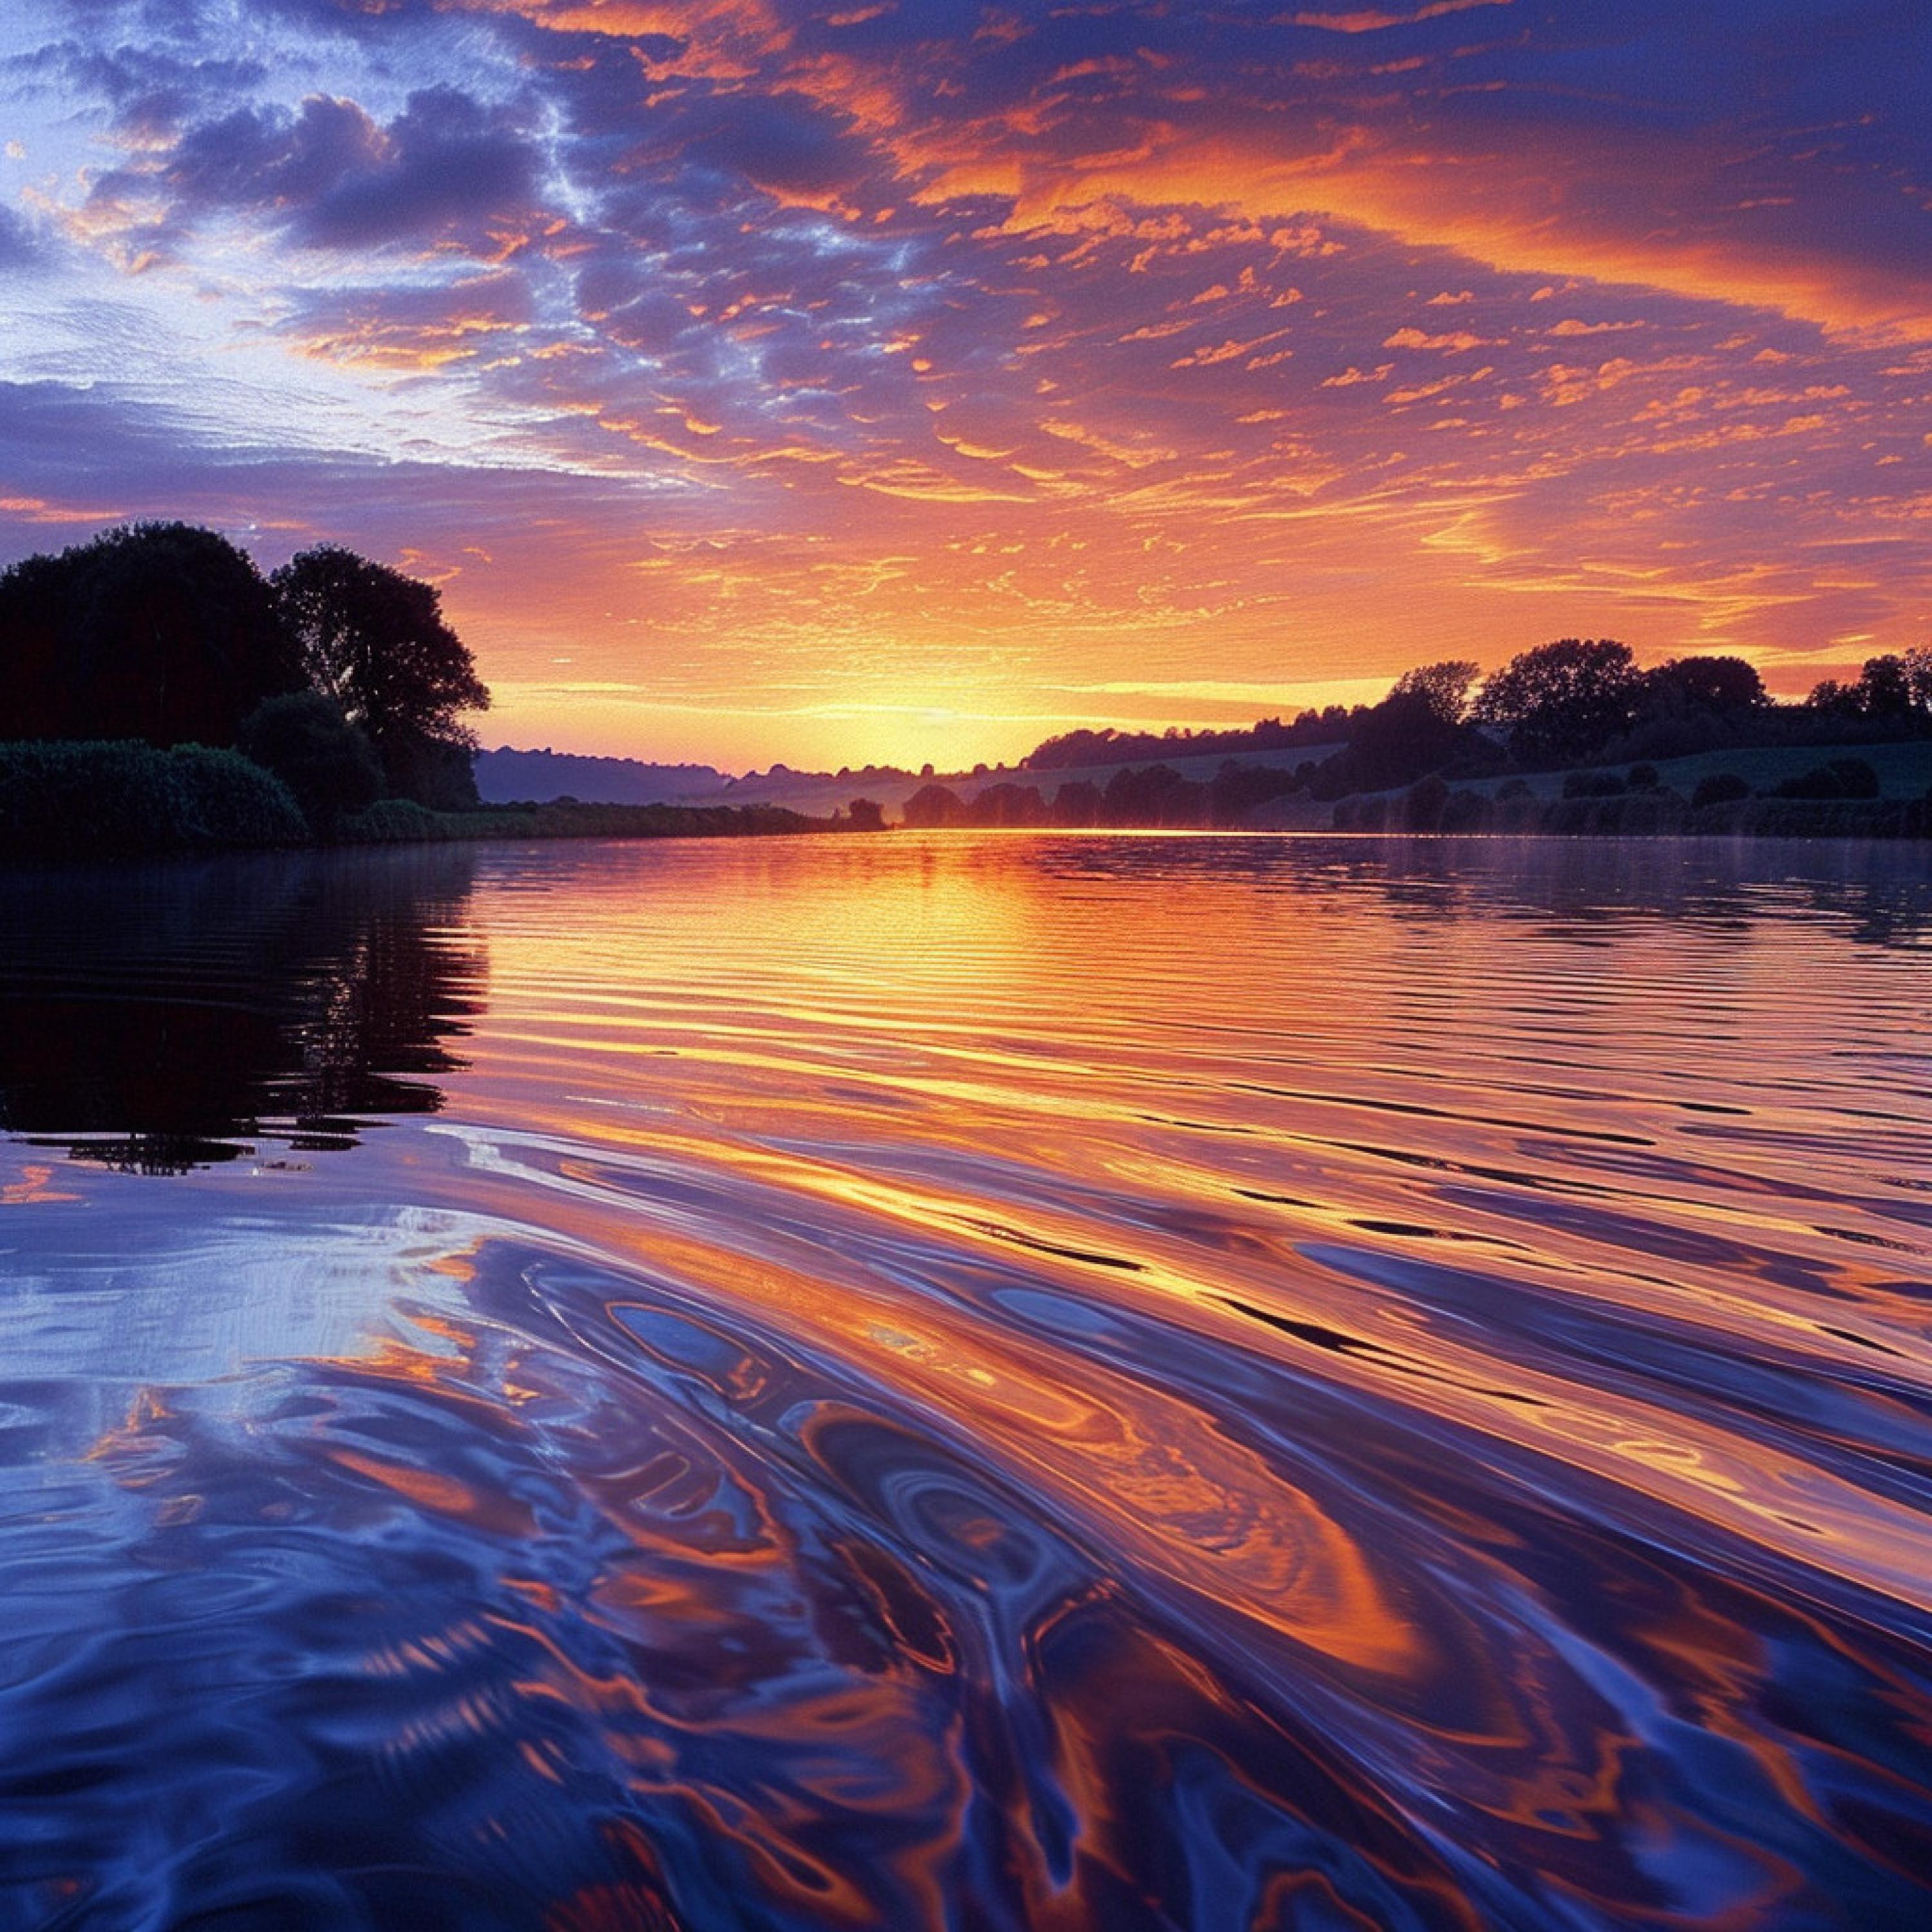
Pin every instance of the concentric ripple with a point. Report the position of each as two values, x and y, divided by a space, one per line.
1003 1383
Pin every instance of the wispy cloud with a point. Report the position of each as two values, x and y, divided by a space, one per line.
919 367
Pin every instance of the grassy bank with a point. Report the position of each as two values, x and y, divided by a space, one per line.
396 821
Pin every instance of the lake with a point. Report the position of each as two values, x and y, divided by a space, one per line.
997 1382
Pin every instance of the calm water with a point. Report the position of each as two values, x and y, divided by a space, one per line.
1032 1382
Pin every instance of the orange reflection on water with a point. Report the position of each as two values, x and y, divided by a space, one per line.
1071 1373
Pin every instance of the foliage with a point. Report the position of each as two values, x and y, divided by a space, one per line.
303 738
1156 796
1843 778
932 808
1422 809
392 821
1719 788
1075 749
375 641
1562 700
1711 685
866 814
158 632
1079 804
438 773
1235 790
1593 784
1892 689
1443 688
1405 736
77 798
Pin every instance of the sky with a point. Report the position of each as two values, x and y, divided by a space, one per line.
898 380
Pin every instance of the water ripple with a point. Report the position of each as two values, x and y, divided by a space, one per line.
1013 1383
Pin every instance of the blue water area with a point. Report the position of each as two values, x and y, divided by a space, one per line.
1031 1382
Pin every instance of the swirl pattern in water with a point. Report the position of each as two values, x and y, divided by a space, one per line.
1046 1382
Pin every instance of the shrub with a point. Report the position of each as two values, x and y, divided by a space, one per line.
392 821
1719 788
1843 778
232 801
933 806
1593 784
119 798
329 766
1422 809
1642 778
1466 811
1514 789
1360 813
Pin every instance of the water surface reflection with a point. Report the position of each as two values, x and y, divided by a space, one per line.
1041 1382
152 1017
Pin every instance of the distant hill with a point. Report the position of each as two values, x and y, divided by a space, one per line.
506 776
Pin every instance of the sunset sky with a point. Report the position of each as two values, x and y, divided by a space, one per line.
908 380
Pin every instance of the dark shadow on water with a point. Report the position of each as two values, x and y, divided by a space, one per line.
1879 893
156 1018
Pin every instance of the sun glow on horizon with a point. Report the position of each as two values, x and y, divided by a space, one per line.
759 383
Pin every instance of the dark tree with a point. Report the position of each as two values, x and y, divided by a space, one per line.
1235 790
1562 700
933 806
1153 795
867 814
162 631
303 738
375 641
1892 692
1006 805
1716 686
1078 803
1401 739
1443 688
1839 699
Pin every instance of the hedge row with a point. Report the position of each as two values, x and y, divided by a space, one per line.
1431 806
61 799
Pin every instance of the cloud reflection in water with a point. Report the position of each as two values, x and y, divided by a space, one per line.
1018 1383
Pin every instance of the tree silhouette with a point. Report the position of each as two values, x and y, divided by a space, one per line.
1443 688
375 641
1706 684
329 766
1562 700
161 631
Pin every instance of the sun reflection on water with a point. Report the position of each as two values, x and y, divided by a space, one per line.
1032 1382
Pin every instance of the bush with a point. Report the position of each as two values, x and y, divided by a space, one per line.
329 766
438 772
1422 808
1843 778
1593 784
1514 789
392 821
118 798
232 801
1719 788
1466 811
933 806
1642 777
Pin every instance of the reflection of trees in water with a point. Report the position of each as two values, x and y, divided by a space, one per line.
1878 892
150 1015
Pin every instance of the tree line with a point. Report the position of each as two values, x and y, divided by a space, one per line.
1573 702
338 675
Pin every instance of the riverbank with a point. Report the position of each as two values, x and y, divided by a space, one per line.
60 800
